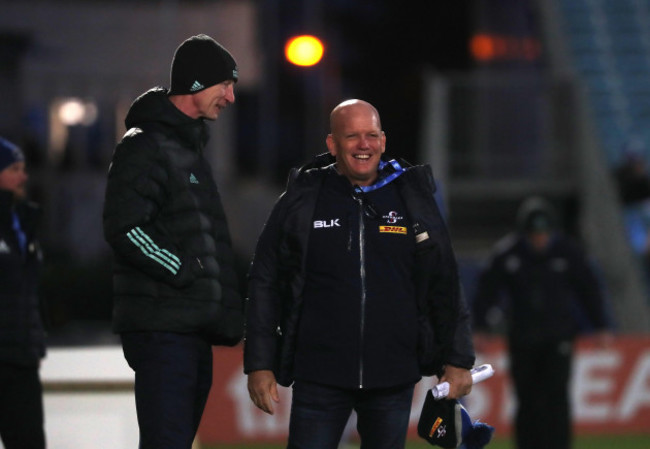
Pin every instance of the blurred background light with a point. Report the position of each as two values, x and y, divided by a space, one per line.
486 47
304 50
75 111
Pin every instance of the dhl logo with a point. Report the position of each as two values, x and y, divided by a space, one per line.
393 229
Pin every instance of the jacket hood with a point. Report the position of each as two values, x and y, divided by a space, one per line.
154 106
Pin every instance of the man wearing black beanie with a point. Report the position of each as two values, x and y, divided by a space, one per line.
539 288
174 283
203 75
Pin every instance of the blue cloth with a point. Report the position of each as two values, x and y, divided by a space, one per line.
20 235
385 176
476 434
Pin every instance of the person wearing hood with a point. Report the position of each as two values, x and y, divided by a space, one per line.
22 334
354 292
174 281
541 281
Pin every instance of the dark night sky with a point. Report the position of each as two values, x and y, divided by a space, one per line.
380 51
387 57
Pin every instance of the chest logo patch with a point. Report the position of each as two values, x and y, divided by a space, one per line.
392 217
334 223
393 229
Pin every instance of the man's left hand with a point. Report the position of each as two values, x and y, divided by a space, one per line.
460 381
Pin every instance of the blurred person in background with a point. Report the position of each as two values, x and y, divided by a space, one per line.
632 175
540 280
22 335
174 281
632 178
354 293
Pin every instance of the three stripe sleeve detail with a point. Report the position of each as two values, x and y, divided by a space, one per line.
160 255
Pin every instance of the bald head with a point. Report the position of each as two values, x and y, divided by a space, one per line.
356 141
341 113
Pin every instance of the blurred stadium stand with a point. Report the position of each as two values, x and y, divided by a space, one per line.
610 45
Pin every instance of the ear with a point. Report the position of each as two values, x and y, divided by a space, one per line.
331 145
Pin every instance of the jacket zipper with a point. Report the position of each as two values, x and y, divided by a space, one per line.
362 273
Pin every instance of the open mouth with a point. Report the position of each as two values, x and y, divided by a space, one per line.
362 157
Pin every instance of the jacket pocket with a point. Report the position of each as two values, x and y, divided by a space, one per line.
429 353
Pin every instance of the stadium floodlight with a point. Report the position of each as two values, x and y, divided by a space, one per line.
304 50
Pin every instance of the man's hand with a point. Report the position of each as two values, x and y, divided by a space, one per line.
460 381
263 390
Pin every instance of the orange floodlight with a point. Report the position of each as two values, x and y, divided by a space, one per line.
304 50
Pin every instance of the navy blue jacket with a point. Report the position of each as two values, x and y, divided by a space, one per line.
545 297
22 337
278 277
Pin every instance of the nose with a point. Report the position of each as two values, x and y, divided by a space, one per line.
363 143
230 93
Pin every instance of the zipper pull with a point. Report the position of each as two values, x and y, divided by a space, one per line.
357 194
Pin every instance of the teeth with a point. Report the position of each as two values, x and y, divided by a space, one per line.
362 156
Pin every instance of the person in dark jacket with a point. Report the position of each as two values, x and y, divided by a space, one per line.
541 281
175 285
354 292
22 336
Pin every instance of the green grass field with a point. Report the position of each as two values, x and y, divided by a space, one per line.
583 442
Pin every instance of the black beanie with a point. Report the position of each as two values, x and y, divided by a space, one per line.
200 62
536 214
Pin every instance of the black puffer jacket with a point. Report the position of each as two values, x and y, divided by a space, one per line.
163 217
277 277
21 325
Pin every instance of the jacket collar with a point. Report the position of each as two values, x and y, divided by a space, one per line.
388 170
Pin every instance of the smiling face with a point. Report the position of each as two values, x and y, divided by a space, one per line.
356 141
14 179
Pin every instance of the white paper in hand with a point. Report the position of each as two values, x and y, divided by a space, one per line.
479 373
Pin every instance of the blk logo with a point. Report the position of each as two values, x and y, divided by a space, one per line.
327 223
